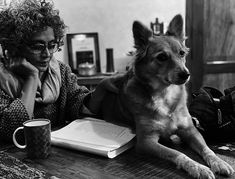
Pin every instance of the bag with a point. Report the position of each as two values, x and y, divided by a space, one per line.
212 118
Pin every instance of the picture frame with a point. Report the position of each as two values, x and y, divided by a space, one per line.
82 48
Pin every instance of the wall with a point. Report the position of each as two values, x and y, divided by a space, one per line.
113 19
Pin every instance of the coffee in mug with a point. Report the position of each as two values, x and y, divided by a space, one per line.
37 134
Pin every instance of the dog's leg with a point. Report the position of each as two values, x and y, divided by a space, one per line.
197 143
147 142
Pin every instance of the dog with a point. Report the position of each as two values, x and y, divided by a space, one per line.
152 96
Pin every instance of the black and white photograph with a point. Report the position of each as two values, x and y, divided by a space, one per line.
117 89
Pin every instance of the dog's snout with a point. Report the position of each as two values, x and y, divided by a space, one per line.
184 75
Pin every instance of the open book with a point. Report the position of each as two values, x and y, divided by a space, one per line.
94 136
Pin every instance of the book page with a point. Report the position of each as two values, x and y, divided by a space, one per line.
96 133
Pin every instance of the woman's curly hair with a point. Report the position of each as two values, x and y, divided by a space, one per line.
23 18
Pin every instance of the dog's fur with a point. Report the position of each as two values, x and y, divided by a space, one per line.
152 95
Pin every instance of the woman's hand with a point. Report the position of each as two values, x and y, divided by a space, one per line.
30 75
23 68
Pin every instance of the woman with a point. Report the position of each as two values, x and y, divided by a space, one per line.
33 84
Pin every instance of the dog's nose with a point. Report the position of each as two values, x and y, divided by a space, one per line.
184 75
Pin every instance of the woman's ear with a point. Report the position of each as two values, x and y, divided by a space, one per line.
175 28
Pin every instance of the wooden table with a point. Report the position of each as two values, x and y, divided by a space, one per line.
70 164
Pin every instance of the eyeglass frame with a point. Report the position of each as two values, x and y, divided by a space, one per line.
45 46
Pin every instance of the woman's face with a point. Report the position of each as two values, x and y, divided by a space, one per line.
40 49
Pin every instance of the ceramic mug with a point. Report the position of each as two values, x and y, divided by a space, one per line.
37 134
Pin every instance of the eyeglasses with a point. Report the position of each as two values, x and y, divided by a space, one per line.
39 48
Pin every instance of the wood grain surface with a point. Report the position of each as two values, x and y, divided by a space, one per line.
70 164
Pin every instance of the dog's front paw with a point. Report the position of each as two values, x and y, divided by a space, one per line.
193 168
199 171
218 165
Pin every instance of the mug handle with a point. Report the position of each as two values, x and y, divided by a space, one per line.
14 139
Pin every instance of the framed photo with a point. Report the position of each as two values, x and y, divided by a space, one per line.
83 48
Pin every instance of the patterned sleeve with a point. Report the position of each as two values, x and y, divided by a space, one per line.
76 95
12 114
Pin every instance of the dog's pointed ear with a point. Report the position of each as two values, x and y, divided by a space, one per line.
141 35
175 27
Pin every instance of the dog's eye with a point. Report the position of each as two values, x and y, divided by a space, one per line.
162 57
182 53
